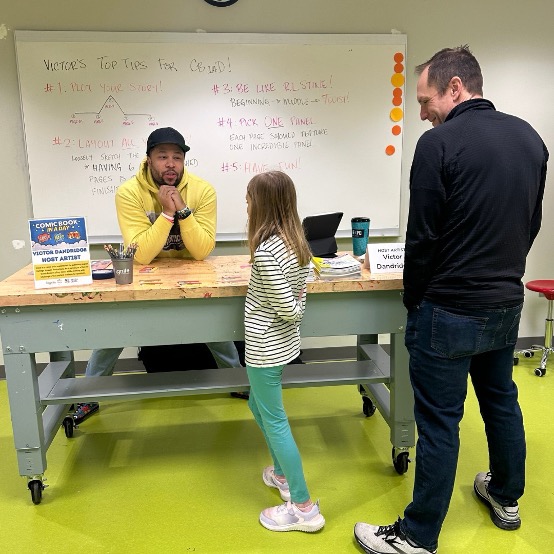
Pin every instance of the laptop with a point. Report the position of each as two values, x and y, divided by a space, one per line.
320 232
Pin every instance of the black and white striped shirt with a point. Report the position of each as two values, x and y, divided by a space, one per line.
274 305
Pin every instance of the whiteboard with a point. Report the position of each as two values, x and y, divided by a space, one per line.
326 109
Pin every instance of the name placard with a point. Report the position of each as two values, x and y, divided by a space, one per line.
385 258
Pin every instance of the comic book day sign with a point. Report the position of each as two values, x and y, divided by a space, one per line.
60 252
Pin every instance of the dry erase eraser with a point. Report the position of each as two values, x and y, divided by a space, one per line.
98 274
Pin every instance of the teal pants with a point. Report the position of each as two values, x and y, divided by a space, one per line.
266 403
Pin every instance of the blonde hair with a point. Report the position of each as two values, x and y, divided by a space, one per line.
273 211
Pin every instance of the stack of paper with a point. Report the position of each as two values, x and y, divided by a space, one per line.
312 275
343 266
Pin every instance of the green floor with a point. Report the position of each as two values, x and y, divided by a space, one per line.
184 475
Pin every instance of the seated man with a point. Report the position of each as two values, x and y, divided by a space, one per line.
169 213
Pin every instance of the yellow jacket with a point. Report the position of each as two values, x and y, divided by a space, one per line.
138 214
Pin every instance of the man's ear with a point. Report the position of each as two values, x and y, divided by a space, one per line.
455 88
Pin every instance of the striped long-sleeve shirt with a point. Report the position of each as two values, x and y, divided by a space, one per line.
274 305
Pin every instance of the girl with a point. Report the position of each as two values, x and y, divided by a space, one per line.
274 307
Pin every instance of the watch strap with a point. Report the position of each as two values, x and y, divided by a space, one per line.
184 213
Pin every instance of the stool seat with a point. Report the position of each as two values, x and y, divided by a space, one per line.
544 286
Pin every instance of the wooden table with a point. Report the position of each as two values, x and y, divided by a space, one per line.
184 301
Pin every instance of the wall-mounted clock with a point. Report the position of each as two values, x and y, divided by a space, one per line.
221 3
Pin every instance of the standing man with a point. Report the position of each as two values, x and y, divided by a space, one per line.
168 213
476 189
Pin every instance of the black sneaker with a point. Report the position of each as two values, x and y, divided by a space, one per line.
386 539
505 517
84 410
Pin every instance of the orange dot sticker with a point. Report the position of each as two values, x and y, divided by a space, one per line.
397 101
397 80
397 92
399 57
390 150
398 68
396 130
396 114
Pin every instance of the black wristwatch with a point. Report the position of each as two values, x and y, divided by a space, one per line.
184 213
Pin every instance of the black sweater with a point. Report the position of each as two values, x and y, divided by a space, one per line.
476 189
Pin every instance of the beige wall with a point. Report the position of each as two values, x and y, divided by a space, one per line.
513 41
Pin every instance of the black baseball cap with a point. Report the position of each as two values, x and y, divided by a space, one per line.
166 135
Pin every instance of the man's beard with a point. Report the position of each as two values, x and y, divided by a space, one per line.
160 180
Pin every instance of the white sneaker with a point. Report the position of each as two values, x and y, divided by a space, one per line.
271 481
287 517
387 539
505 517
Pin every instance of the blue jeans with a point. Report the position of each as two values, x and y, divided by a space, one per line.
102 362
266 403
445 346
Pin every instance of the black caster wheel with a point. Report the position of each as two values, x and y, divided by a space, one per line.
529 353
400 462
368 406
539 372
516 361
36 487
68 426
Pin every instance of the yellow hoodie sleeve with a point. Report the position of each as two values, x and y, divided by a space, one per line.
136 226
198 229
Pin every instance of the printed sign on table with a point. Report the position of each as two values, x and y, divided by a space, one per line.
385 258
60 251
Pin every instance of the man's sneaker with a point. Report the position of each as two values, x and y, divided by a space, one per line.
505 517
287 517
271 481
84 410
387 539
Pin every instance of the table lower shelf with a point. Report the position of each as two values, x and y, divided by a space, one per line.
120 387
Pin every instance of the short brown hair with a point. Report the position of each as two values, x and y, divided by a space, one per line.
453 62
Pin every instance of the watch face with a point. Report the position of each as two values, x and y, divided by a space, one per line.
221 3
183 214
